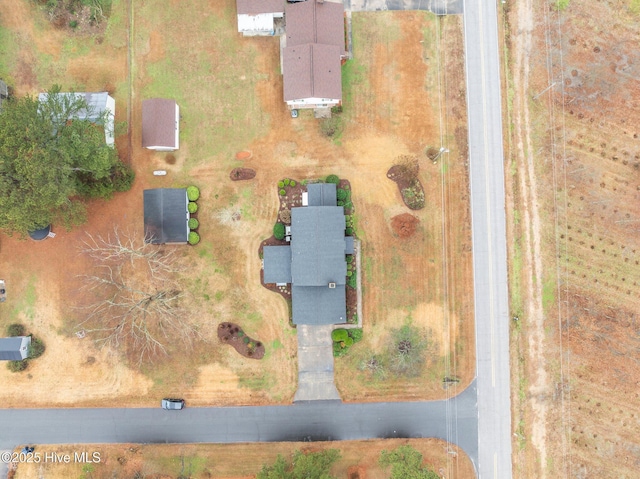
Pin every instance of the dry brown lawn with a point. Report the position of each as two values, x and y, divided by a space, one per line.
235 461
230 92
576 165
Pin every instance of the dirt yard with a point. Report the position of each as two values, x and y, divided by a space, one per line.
359 460
575 165
230 92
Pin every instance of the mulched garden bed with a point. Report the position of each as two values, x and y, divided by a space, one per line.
404 225
232 334
239 174
411 189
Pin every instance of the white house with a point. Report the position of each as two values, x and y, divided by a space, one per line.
160 124
257 17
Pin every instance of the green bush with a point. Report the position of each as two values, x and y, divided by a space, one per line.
193 223
349 258
287 182
348 231
246 340
282 192
192 207
356 334
293 183
194 238
16 329
304 182
278 231
37 348
341 194
340 203
123 177
281 184
333 179
73 23
352 281
349 273
348 342
240 334
17 366
193 193
339 335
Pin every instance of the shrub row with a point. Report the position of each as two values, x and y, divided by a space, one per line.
193 193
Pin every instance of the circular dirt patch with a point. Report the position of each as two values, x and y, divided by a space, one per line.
170 159
243 155
239 174
404 225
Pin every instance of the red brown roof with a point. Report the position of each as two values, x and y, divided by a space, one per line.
256 7
313 22
159 123
312 71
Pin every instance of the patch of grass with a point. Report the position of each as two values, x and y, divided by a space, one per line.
634 6
562 5
548 294
262 382
9 49
27 301
182 466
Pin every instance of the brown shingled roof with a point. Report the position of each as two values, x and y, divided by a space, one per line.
255 7
313 22
312 71
159 123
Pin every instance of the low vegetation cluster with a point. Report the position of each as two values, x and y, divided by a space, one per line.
193 193
404 354
343 339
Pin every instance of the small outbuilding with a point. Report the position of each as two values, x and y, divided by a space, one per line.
101 110
258 17
160 124
166 217
15 348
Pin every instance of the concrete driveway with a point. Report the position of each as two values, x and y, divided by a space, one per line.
315 364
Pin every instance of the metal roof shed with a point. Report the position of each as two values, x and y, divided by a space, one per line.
14 349
166 216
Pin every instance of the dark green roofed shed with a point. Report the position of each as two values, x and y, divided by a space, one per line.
166 218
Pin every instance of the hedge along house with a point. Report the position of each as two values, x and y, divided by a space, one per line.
15 348
166 218
313 54
315 262
101 110
160 124
258 17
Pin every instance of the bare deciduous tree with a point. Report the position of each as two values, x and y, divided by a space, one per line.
139 306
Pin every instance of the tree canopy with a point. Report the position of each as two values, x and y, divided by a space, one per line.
50 161
406 463
314 465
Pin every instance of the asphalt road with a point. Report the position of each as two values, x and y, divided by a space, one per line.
304 421
486 159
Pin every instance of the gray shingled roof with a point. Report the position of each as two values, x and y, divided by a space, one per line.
322 194
256 7
317 246
348 245
277 264
166 215
319 305
313 22
14 349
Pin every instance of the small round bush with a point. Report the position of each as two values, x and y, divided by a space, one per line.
341 194
333 179
246 340
278 231
280 184
293 183
348 342
16 329
349 274
340 203
348 231
193 223
192 207
37 348
287 182
73 23
339 335
240 334
193 193
194 238
355 334
282 192
17 366
349 259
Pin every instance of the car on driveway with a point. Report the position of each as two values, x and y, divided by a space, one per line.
168 403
